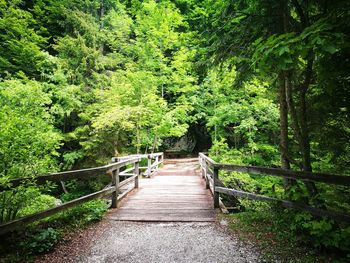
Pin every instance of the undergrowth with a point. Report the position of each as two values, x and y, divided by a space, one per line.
42 236
281 237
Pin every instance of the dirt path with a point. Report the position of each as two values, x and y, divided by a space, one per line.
117 241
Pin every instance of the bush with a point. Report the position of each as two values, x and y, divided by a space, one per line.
87 212
40 241
323 233
81 215
39 203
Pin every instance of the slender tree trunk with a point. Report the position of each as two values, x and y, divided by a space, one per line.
301 139
305 138
284 145
283 123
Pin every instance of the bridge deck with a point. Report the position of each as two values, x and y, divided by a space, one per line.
176 194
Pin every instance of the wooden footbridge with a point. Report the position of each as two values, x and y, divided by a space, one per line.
176 192
181 190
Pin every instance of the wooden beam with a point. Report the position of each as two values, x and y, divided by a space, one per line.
153 155
74 174
115 184
18 223
215 193
57 177
207 159
125 182
125 193
288 204
223 207
137 173
113 166
297 175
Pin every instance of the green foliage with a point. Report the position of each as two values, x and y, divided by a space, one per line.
81 215
269 230
81 81
15 201
20 41
28 140
290 50
221 153
37 204
41 241
322 232
245 116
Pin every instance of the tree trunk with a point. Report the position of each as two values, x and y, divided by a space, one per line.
301 138
303 116
283 128
284 145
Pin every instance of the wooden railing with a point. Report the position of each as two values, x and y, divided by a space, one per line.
117 170
210 171
154 160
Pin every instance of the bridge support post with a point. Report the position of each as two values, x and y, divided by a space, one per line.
205 174
162 158
115 182
216 196
149 164
157 162
137 173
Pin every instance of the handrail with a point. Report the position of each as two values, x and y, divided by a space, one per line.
153 161
215 185
73 174
112 169
297 175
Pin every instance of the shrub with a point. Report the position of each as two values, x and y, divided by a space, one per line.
40 241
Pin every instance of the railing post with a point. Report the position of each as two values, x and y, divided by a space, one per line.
205 174
215 194
202 166
157 162
149 164
115 182
136 172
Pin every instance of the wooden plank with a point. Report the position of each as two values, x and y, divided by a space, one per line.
171 218
288 204
177 205
18 223
172 193
223 207
169 202
165 215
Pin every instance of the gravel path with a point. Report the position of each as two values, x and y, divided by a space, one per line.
159 242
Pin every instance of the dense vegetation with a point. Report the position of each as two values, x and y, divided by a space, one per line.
262 82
